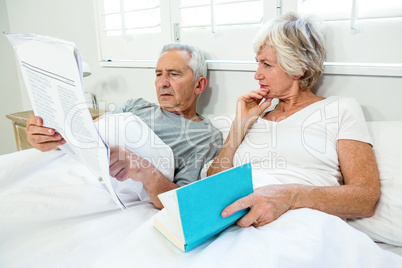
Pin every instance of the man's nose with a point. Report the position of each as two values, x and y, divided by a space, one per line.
163 81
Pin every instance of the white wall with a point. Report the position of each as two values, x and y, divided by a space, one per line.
10 95
74 21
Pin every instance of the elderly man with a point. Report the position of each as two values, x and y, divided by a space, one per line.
180 79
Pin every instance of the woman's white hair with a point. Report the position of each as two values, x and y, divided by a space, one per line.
299 44
197 62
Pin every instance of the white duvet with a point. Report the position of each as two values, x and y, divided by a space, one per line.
54 214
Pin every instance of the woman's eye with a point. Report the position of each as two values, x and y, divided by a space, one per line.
267 65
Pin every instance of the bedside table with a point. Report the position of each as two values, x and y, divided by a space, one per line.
19 121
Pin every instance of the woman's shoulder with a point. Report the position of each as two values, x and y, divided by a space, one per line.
341 99
345 103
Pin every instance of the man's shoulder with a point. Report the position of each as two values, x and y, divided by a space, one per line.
214 133
208 123
138 103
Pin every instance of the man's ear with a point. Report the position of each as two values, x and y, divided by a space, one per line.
201 85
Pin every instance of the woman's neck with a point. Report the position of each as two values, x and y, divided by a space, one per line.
298 101
290 105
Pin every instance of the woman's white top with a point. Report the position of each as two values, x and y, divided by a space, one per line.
302 148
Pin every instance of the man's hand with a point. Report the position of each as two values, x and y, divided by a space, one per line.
42 138
266 204
125 164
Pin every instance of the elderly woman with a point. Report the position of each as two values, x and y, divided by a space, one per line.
317 149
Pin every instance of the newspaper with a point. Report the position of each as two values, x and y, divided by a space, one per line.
52 72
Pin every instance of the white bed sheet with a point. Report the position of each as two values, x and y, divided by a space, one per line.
54 215
390 248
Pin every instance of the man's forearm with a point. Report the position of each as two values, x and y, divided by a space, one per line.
157 185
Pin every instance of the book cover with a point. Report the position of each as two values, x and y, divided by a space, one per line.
192 213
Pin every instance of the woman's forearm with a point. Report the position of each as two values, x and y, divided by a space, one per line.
249 107
345 201
224 160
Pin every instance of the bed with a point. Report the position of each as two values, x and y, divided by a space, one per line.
54 214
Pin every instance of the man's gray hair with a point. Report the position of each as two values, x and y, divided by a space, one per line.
197 62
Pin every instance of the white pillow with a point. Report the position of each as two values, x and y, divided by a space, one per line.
386 224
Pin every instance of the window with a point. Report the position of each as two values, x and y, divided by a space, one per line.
344 9
357 33
127 28
131 33
222 28
131 17
212 14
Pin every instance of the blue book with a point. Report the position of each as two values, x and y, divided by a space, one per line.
192 213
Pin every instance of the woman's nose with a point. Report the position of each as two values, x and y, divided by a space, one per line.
258 74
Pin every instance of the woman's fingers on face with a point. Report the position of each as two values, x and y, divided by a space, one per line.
251 97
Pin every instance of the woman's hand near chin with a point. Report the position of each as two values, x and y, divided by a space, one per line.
250 106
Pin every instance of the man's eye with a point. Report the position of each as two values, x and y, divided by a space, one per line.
267 65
